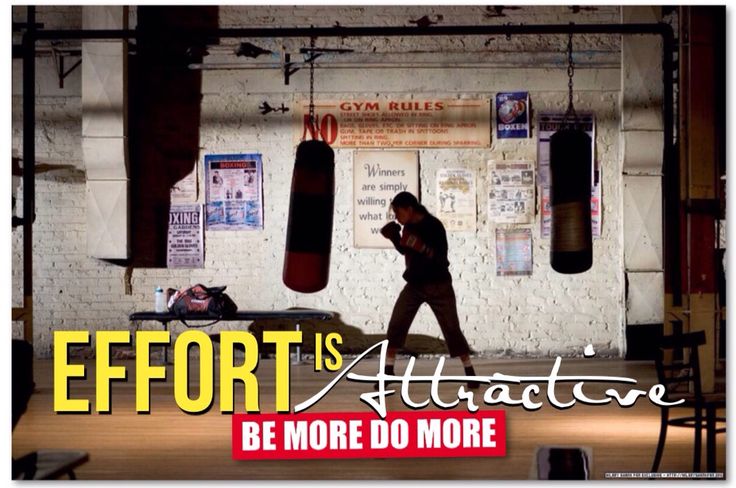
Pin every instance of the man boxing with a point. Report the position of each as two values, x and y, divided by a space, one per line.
423 242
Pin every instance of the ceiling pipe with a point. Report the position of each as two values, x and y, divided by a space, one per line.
454 30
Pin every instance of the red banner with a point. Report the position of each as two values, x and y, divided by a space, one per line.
364 435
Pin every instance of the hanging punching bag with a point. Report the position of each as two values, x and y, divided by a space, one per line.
309 231
572 242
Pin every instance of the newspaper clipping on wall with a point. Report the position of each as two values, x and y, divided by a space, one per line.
513 252
234 191
512 115
456 199
185 243
378 177
511 193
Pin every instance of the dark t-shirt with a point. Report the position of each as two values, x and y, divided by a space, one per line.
432 265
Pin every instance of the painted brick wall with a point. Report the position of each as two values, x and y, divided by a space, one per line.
541 315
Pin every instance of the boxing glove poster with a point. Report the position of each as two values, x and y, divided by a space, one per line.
512 115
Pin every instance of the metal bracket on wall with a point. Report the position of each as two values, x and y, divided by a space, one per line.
59 56
288 70
310 55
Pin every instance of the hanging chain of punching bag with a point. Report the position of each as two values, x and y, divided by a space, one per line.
311 208
311 86
570 74
570 169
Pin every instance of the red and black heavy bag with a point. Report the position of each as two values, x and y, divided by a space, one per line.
210 302
570 169
309 231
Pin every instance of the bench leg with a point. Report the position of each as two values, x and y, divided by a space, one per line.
166 346
298 358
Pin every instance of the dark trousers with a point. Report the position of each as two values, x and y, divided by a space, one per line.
441 299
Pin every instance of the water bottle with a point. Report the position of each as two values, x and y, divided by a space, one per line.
160 300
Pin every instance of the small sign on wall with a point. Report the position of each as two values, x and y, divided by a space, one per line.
377 177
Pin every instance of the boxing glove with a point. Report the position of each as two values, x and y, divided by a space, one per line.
391 231
413 242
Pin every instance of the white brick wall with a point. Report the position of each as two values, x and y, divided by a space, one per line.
541 315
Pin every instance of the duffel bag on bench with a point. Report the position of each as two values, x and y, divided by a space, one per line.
201 300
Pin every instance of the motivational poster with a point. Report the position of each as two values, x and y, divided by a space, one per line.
377 177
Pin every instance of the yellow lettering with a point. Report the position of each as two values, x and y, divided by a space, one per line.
181 372
229 372
335 362
105 371
318 351
63 371
144 372
282 339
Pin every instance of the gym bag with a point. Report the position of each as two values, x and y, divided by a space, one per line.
210 302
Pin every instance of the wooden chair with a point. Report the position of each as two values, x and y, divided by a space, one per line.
678 369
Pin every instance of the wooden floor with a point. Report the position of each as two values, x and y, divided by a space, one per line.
168 444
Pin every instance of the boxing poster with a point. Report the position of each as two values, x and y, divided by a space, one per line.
185 242
234 191
456 200
511 192
512 115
